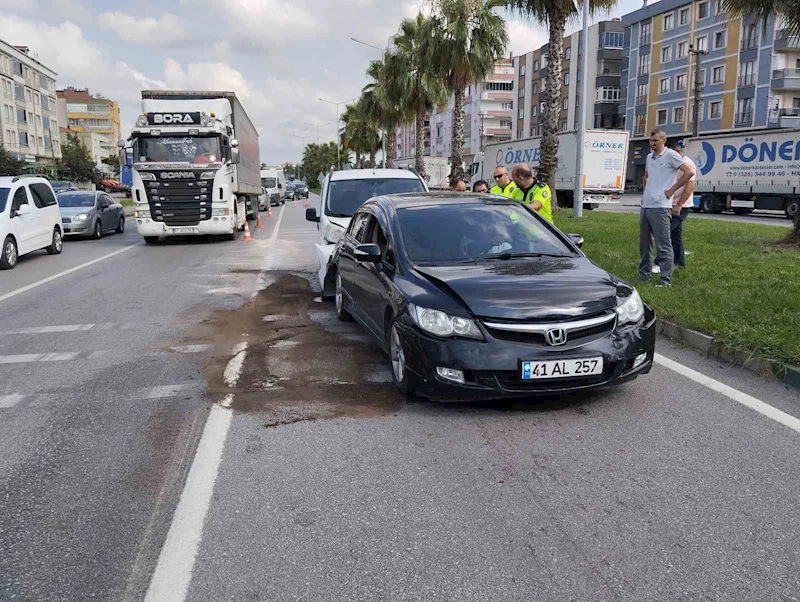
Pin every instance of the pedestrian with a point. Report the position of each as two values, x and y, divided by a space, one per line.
480 186
661 180
457 184
504 186
682 201
532 191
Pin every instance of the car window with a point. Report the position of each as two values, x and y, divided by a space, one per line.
42 195
3 197
76 199
108 199
20 198
346 196
358 225
475 232
374 234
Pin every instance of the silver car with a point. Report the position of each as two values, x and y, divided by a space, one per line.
90 213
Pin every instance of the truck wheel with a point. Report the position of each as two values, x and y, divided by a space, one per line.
792 208
708 204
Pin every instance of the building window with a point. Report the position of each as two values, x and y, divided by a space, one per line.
28 96
566 78
677 115
17 67
23 138
663 85
563 126
715 110
644 64
639 126
719 7
644 33
532 131
641 94
506 123
669 21
702 43
747 74
666 54
750 36
541 107
683 48
609 94
507 106
744 111
568 53
520 114
535 88
662 117
536 65
683 16
534 109
565 103
719 40
718 75
19 92
521 70
519 133
22 116
680 82
702 78
544 83
612 39
521 92
702 10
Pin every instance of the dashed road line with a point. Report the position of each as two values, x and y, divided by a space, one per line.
9 401
191 348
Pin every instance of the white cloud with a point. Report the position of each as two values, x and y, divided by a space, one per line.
166 30
523 38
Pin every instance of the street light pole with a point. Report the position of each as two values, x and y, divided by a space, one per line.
317 126
330 102
577 195
383 58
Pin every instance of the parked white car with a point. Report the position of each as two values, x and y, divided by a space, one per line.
30 219
343 192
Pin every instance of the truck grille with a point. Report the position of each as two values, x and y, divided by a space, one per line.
179 201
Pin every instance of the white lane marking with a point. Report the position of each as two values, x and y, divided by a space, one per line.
190 348
24 289
234 367
9 401
175 562
262 277
164 391
64 356
743 398
72 328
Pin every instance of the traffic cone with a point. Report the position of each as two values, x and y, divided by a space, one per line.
258 220
247 231
269 212
295 204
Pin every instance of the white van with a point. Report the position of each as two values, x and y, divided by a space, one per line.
30 219
343 192
275 182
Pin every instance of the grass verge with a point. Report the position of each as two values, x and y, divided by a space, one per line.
126 202
315 190
738 285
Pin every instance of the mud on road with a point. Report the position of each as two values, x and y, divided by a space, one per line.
302 363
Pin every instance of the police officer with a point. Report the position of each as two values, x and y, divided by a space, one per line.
503 185
533 192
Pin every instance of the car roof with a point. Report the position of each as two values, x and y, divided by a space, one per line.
8 181
81 192
437 199
373 174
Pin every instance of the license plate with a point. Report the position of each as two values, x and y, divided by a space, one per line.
184 230
572 368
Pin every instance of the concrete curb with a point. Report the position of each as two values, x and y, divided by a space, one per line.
787 374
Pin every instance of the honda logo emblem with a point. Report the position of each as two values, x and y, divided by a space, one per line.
556 336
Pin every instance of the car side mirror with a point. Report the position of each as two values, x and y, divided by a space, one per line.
279 186
24 210
311 215
369 253
576 239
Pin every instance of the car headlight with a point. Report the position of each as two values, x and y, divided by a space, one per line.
220 211
147 176
441 324
332 233
208 175
142 213
81 217
631 309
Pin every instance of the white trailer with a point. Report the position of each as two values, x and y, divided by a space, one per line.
604 163
743 171
436 171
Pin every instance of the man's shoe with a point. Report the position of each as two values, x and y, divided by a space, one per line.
655 269
663 284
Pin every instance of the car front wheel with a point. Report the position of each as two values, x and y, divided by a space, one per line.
341 312
57 245
397 354
8 259
97 233
121 226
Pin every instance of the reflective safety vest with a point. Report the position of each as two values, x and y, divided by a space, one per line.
537 193
507 192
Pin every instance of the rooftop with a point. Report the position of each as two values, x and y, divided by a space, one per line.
81 95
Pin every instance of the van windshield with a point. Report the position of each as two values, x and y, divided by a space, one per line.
3 197
346 196
269 182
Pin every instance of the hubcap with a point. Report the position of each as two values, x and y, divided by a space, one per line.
57 241
11 253
122 225
339 300
398 356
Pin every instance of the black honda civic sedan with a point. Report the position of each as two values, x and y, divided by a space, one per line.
477 297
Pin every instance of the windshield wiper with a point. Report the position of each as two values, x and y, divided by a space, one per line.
507 256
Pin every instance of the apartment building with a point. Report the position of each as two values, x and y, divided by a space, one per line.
94 118
749 73
604 66
28 120
487 118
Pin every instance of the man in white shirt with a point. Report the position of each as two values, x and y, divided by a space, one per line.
665 173
682 202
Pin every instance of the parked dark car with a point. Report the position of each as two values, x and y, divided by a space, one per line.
300 189
60 186
90 213
476 297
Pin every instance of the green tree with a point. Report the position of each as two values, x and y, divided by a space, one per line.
470 38
318 159
382 103
416 84
556 14
9 164
76 164
360 133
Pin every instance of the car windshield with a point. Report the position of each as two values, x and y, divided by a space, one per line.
475 232
177 149
3 197
346 196
269 182
76 199
59 185
289 186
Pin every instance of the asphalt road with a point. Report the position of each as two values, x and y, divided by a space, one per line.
305 477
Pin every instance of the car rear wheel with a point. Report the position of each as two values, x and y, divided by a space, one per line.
341 312
397 354
57 245
97 233
121 226
8 259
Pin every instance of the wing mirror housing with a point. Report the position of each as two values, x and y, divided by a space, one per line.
369 253
311 215
24 210
576 239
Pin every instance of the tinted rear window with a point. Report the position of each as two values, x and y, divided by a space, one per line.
474 232
346 196
42 195
3 197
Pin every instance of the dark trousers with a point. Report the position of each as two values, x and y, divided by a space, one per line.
655 224
676 234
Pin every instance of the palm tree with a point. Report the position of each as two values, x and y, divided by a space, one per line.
382 103
359 134
556 13
469 40
418 87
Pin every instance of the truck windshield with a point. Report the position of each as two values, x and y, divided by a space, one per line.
346 196
177 149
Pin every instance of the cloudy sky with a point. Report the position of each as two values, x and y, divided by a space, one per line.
278 55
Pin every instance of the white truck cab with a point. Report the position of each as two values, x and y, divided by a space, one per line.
343 192
274 181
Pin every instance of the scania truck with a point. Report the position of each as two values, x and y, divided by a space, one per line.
743 171
195 165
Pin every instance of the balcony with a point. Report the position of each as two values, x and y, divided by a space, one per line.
786 41
749 43
644 70
785 79
500 114
641 100
498 131
787 118
747 80
644 40
744 118
639 130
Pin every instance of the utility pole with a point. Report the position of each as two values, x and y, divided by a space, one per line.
317 126
698 89
577 194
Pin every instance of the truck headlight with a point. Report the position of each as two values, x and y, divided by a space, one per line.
208 175
81 217
142 121
441 324
631 309
141 213
204 119
332 233
220 211
147 176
